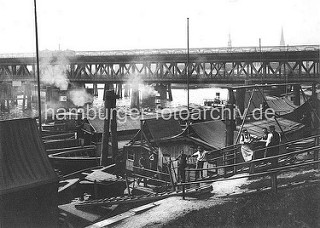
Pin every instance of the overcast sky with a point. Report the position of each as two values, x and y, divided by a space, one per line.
143 24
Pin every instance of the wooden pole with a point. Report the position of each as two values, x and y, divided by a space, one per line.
114 134
188 67
110 103
105 142
296 95
38 67
230 119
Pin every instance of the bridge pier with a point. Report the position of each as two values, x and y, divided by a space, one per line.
135 97
95 89
169 92
126 92
119 90
107 86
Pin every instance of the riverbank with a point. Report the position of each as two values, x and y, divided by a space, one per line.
231 205
295 207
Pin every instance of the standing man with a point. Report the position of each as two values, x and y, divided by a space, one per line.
182 159
272 145
201 158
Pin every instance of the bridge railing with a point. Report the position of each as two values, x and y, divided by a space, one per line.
167 51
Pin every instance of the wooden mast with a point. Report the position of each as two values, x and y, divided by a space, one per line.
38 68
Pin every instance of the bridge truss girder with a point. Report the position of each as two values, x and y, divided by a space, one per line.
213 68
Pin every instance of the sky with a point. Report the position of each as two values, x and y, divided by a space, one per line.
99 25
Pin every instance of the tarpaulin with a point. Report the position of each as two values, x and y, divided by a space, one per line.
23 160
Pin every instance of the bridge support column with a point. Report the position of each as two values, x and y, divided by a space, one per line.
126 90
296 95
107 87
135 97
95 89
119 90
170 92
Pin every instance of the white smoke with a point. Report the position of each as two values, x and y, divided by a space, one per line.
136 82
80 97
53 71
147 91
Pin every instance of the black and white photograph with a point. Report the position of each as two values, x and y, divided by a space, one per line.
159 114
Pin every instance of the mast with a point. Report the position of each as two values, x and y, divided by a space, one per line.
38 68
188 98
260 50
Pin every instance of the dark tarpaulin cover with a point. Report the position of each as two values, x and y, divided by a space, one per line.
23 159
124 124
304 111
287 126
212 132
280 105
161 128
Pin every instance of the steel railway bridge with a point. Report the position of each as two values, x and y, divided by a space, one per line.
285 64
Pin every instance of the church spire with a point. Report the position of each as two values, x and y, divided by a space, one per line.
229 42
282 43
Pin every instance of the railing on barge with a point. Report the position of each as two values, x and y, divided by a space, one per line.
306 145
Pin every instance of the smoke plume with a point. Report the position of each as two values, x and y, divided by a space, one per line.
80 97
53 71
136 82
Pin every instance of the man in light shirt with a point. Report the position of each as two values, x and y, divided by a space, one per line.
201 158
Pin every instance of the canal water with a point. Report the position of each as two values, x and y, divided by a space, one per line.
197 95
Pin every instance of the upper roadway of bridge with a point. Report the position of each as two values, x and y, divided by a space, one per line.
174 51
206 65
